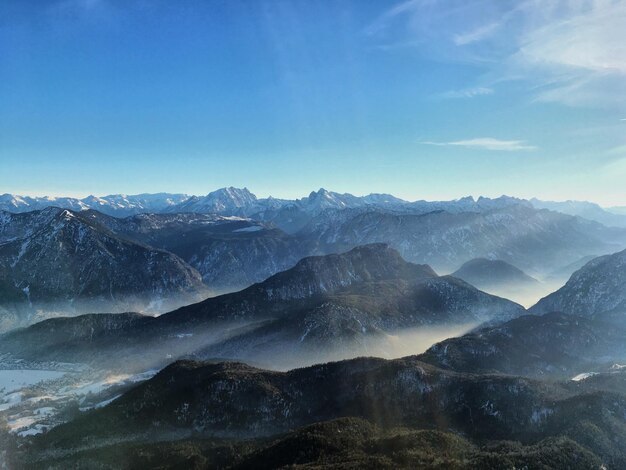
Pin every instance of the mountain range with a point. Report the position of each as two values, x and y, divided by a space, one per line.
115 204
240 201
245 240
536 241
497 397
541 390
352 304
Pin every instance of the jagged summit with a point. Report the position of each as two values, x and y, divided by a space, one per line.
229 201
236 201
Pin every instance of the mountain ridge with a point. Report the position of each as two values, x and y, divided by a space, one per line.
231 199
482 272
596 289
240 201
368 293
234 401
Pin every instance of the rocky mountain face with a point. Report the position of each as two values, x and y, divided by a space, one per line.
230 253
597 289
227 201
233 253
59 261
311 278
232 401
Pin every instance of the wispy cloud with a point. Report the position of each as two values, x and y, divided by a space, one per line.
571 52
486 143
467 92
398 10
477 34
580 56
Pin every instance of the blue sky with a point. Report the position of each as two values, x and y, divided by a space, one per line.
425 99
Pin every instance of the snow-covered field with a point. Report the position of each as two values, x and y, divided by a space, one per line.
32 400
98 387
583 376
13 380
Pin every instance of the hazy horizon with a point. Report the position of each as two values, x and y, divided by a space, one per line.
422 99
300 195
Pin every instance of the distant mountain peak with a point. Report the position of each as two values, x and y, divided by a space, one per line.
585 209
322 194
487 273
233 193
319 192
228 201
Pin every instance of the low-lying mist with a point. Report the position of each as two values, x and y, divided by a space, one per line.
408 342
17 315
527 295
417 340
